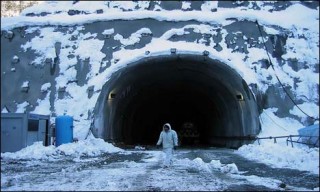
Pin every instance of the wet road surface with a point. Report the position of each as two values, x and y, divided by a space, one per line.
142 170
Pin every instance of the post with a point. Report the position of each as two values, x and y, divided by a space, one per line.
315 143
20 6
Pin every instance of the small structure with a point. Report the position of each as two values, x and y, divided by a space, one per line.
310 135
19 130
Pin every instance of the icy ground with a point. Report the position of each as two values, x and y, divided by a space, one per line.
193 169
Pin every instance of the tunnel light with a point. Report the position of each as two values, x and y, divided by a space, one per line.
112 96
173 50
206 53
240 97
107 36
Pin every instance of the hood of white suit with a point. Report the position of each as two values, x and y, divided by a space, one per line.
167 125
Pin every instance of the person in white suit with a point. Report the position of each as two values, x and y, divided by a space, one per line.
169 140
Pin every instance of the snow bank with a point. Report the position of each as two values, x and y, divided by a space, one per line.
282 156
90 147
279 154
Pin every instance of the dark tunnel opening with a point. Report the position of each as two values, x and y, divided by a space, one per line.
205 101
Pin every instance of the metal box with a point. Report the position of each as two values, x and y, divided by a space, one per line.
19 130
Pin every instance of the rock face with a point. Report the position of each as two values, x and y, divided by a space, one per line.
126 68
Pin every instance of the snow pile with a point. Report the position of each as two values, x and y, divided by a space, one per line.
90 147
228 168
282 156
35 151
200 165
197 164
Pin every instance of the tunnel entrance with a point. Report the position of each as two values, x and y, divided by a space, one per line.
205 101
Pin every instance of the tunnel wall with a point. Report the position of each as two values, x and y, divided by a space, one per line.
54 67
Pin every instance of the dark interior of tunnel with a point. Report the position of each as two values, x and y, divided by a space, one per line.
205 103
176 104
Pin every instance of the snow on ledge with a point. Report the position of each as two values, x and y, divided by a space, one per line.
307 18
126 57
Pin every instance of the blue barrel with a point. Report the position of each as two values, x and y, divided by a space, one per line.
64 129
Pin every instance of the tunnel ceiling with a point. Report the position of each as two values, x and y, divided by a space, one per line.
205 101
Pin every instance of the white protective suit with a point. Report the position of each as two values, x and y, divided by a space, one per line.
168 140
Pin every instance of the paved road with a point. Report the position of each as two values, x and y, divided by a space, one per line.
142 170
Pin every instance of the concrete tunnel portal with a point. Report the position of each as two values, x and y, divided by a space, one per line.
205 101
